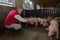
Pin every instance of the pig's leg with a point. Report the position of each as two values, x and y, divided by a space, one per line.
50 34
57 34
36 22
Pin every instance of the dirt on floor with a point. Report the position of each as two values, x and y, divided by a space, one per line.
31 33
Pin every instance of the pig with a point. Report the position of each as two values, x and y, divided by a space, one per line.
39 19
53 28
45 23
30 20
36 22
43 20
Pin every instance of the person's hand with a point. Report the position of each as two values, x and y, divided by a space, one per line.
27 21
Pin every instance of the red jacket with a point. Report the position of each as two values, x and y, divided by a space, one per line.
10 18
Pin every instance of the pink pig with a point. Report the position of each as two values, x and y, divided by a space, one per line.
53 28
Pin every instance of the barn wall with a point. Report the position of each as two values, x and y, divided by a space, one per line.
3 12
19 3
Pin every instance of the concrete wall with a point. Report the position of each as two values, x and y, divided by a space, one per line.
5 9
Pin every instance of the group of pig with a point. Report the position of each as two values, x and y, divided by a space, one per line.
52 25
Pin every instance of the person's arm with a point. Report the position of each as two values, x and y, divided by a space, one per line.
18 17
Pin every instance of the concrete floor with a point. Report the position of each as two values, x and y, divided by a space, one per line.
31 33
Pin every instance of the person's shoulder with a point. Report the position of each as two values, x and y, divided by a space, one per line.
13 10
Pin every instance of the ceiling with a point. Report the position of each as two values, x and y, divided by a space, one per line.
46 3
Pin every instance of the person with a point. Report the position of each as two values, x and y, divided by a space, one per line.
13 18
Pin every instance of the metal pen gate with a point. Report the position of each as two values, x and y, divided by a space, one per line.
42 13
